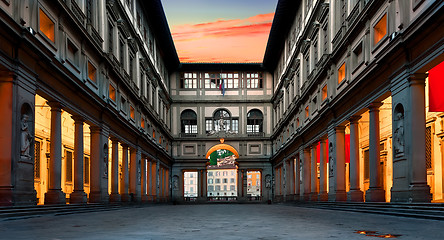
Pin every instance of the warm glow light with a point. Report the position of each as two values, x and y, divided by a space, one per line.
47 26
307 112
234 40
91 72
132 114
380 30
112 93
324 93
142 123
341 73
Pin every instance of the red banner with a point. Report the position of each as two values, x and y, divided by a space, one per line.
436 88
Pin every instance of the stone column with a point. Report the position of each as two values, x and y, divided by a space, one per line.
55 194
133 174
78 195
306 163
239 184
314 173
143 181
376 192
157 196
115 196
124 179
419 190
340 193
356 195
323 195
150 180
99 166
291 178
297 182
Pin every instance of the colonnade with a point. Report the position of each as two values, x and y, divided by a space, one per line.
330 182
135 177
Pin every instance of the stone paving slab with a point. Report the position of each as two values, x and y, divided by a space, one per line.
219 221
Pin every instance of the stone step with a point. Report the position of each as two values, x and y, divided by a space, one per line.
23 211
425 211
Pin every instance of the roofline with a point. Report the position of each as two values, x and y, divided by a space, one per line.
282 23
221 67
162 33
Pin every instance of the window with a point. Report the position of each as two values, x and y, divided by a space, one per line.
131 66
68 164
210 181
210 174
112 93
380 30
208 125
212 80
47 26
110 37
142 123
132 112
72 53
92 72
358 55
230 80
254 80
341 73
89 11
307 111
232 188
324 92
366 165
235 127
217 189
315 51
217 180
231 180
307 64
221 119
254 121
224 180
122 52
188 80
189 122
123 105
86 170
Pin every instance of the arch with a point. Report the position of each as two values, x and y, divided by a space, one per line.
215 116
220 147
188 119
255 119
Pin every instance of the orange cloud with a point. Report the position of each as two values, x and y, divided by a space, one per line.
234 40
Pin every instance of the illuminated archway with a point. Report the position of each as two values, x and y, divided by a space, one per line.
222 146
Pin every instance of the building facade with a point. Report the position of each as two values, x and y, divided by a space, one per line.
96 106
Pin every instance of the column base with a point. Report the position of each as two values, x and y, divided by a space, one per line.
338 196
420 193
375 195
323 197
314 196
78 197
306 197
6 196
55 196
96 197
356 196
114 197
125 197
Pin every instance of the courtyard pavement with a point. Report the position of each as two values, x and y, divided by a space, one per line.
219 221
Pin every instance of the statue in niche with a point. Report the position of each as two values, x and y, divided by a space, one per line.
268 181
331 160
105 161
175 183
398 141
221 124
26 137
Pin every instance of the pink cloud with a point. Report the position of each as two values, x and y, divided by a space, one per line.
234 40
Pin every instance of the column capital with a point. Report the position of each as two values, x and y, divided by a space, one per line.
114 139
417 78
55 106
323 139
78 119
124 145
339 129
354 119
95 129
374 106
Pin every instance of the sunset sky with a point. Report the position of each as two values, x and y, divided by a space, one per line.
220 30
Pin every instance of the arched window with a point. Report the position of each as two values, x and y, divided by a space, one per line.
188 119
222 120
254 121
